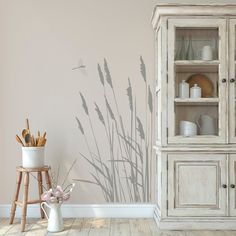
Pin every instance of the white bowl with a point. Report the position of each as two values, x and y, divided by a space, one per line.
188 128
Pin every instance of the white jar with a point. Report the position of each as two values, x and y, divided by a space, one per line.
183 89
32 157
195 92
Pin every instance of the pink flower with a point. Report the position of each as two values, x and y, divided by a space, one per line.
53 200
58 192
46 196
66 197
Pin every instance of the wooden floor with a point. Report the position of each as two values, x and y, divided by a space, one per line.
101 227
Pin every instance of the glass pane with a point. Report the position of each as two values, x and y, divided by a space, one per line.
205 76
197 120
196 44
235 83
196 82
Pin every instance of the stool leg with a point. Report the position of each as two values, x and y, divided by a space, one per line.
40 186
25 200
48 180
13 207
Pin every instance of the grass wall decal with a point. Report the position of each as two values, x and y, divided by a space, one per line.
125 175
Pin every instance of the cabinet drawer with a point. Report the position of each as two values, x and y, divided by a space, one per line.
195 184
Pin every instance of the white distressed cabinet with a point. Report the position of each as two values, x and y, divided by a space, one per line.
195 175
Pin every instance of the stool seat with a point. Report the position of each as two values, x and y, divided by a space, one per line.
27 173
23 169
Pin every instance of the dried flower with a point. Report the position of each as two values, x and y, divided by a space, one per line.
57 194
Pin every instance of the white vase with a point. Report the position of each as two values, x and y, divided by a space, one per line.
55 221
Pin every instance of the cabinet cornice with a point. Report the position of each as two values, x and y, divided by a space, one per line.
210 10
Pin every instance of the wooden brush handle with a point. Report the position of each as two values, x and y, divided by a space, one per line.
27 123
40 142
32 141
44 142
18 139
36 142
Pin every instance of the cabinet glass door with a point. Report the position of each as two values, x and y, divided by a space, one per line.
232 84
197 81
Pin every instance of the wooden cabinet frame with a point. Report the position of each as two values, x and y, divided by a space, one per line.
214 156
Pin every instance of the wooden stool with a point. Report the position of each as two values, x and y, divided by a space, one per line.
26 171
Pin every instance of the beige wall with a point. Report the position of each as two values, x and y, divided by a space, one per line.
40 43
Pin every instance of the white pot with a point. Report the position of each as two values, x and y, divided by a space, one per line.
32 157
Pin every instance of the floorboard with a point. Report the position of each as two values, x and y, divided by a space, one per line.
39 228
100 227
139 227
120 227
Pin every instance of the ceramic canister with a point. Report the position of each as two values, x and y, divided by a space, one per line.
184 89
195 91
32 157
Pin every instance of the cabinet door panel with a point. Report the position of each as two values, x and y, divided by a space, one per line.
232 84
195 182
232 181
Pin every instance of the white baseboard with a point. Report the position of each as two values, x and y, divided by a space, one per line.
90 210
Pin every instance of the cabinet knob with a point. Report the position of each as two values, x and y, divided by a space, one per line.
224 186
232 80
224 80
232 186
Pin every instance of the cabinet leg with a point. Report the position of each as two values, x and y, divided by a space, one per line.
25 200
40 187
13 207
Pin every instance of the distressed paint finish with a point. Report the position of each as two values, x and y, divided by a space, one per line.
196 175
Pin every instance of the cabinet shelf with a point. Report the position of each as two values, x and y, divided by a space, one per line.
196 101
196 136
197 62
197 66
